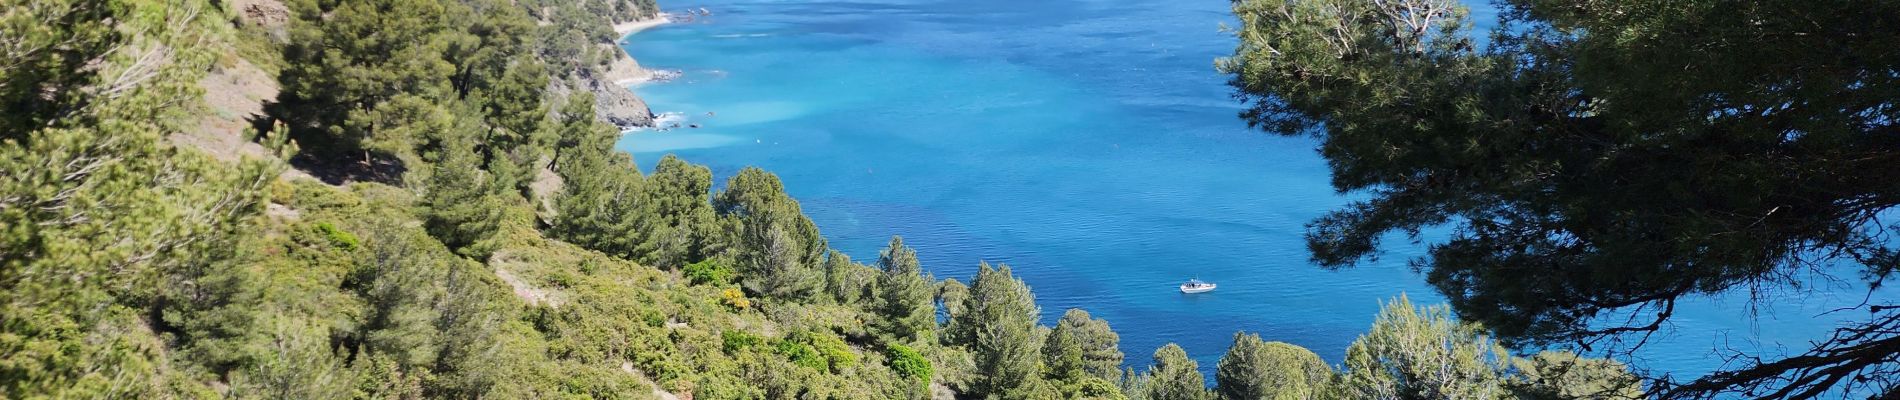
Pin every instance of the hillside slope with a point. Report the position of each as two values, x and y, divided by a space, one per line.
151 249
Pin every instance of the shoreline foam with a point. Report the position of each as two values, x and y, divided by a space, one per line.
634 74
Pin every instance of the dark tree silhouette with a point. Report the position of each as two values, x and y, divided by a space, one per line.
1602 160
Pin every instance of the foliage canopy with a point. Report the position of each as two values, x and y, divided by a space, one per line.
1599 161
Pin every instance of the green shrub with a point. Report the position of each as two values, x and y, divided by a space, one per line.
653 318
737 340
562 279
282 191
338 237
909 363
1091 387
681 385
708 272
834 349
803 354
668 369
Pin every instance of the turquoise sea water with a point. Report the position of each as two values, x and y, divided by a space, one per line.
1089 144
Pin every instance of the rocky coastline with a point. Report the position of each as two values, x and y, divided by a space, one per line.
614 103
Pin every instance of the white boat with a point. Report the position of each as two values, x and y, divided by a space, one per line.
1196 286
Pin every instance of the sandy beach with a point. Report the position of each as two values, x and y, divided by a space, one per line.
631 27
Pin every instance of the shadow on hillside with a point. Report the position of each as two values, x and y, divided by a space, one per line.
337 170
334 166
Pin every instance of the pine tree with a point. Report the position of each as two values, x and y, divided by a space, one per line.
1602 162
1254 369
398 276
495 42
514 104
770 266
999 323
1083 346
49 44
458 205
597 202
1174 376
951 295
1557 374
511 174
1421 353
265 317
95 208
778 250
471 319
347 62
905 309
517 111
675 223
849 282
567 41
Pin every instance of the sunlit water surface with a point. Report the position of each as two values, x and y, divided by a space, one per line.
1088 144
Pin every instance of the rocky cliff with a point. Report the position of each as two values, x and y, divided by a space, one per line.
613 102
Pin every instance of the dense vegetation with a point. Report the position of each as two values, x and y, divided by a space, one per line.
1601 161
131 266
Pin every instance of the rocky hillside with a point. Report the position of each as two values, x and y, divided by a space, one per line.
613 102
237 89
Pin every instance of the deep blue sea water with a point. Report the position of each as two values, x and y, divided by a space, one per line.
1089 144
